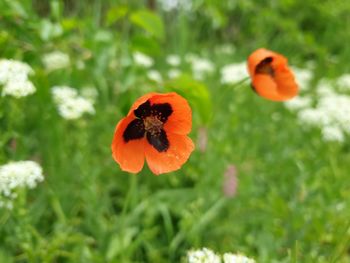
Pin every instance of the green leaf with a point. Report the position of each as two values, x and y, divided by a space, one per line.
4 257
116 13
49 30
17 8
120 243
146 45
69 24
150 22
103 36
196 92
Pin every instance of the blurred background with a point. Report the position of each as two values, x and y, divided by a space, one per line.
269 180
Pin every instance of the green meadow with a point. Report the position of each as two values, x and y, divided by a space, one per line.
266 179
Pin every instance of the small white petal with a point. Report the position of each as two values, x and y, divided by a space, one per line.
143 60
173 60
56 60
233 73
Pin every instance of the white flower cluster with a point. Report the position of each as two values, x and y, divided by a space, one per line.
142 60
203 255
15 175
343 82
233 258
233 73
298 103
303 77
14 78
174 73
325 87
331 113
56 60
206 255
154 75
173 60
70 105
170 5
201 67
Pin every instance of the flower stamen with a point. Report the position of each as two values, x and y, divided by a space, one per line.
153 125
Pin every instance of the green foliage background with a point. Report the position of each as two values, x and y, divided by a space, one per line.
87 210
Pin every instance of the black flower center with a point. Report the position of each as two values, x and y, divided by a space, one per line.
264 67
149 122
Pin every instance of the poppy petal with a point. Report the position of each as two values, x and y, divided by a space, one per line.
129 155
162 139
180 120
271 77
280 88
266 87
180 148
256 57
141 100
286 82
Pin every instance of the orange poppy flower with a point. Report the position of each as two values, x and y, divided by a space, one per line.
155 128
271 76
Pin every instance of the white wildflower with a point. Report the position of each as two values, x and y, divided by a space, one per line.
173 60
343 82
70 105
201 67
15 175
298 103
14 78
311 116
233 73
331 114
303 77
325 88
56 60
330 133
203 255
337 110
170 5
74 108
142 60
154 75
233 258
13 70
62 93
18 89
174 73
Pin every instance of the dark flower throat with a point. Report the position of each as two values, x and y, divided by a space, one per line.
264 67
149 122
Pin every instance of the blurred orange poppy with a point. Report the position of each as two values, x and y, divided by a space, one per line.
271 76
155 128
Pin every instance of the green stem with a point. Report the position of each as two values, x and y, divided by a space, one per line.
130 194
239 83
343 245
